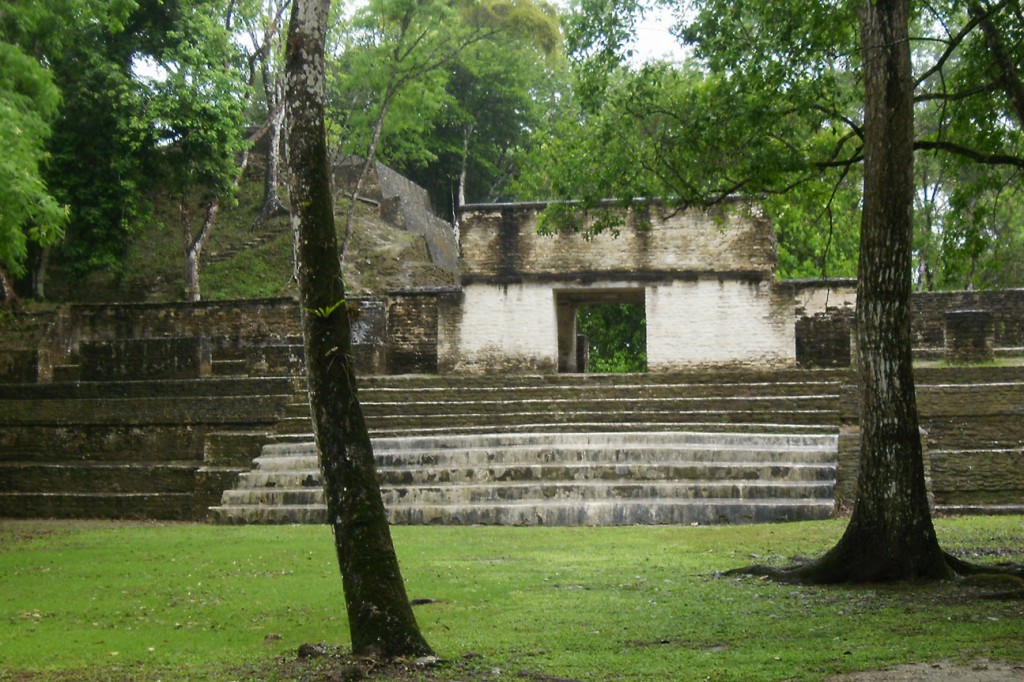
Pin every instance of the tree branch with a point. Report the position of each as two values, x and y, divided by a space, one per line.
968 153
1009 79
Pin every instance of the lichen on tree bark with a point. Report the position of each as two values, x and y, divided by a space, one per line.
380 616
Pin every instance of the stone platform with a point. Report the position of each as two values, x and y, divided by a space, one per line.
599 479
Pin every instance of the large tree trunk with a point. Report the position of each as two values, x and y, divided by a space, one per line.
380 616
890 535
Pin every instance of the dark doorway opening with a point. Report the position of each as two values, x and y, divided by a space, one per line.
602 331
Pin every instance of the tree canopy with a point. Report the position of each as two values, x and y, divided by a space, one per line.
769 106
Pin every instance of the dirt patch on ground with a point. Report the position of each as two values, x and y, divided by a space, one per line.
323 663
982 671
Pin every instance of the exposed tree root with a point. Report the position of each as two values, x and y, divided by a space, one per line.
966 568
830 570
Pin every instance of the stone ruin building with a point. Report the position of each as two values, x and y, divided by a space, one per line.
476 392
706 281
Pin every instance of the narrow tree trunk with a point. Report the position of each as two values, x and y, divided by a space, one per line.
890 535
194 245
272 178
371 157
467 134
39 260
10 299
380 616
191 258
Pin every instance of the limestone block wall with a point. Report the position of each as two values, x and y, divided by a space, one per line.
972 434
130 449
719 322
403 204
706 278
489 327
412 319
501 243
825 321
1006 308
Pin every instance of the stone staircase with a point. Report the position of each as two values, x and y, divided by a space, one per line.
572 450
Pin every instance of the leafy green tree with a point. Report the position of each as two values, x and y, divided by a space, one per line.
32 36
381 621
890 535
428 86
89 163
770 107
389 70
498 91
262 26
775 105
28 212
197 110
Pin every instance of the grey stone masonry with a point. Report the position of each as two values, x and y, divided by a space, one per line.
614 478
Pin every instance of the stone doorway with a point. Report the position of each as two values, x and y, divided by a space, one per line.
625 303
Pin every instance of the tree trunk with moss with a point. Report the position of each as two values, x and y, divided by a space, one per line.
380 616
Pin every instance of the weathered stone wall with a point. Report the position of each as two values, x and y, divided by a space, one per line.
973 436
166 358
1006 308
499 327
412 333
719 322
706 279
256 335
825 315
130 449
824 340
500 245
404 204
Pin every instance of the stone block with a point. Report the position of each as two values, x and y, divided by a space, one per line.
969 336
25 366
823 340
151 358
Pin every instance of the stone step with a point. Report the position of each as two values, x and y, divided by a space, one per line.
595 426
595 448
710 378
638 391
490 402
617 513
561 457
112 477
172 506
716 441
540 422
208 387
559 478
532 513
579 491
229 367
289 477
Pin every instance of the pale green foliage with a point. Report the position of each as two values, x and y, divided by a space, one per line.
197 110
437 70
770 106
388 58
498 90
28 101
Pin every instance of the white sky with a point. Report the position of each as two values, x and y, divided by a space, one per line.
654 40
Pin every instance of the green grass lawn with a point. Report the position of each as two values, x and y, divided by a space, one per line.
106 601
